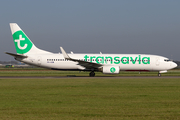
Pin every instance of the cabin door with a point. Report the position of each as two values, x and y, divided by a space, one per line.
39 60
157 61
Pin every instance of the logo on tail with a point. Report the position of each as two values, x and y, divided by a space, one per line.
19 44
22 42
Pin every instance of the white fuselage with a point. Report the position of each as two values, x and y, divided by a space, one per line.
126 62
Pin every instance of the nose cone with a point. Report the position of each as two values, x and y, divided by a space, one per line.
173 65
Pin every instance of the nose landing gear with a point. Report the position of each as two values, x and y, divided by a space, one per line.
159 74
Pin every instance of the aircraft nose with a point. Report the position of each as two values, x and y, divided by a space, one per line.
174 65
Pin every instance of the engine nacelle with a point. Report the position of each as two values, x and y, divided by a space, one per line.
110 69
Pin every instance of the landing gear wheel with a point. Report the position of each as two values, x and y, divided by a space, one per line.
159 74
92 74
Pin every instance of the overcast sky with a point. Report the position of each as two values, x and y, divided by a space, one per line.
91 26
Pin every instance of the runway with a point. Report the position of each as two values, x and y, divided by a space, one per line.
83 77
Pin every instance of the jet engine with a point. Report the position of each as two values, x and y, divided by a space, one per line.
110 69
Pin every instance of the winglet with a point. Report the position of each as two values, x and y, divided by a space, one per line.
66 56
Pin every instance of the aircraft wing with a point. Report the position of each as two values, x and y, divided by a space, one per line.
87 64
16 55
80 62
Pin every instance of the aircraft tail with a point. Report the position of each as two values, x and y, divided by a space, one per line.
22 43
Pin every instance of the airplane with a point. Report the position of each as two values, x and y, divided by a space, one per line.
28 53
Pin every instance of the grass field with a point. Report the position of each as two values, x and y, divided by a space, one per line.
89 98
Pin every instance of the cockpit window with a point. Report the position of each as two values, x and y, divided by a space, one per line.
167 60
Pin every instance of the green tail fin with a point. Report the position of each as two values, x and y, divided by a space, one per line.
22 43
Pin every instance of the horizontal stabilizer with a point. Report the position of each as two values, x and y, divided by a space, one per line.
16 55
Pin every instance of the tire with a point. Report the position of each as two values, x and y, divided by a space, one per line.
92 74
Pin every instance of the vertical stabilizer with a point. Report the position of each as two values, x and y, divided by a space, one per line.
22 43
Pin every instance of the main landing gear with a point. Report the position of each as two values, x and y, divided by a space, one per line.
92 74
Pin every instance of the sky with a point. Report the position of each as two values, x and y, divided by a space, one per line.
93 26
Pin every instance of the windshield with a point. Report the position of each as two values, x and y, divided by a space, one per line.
167 60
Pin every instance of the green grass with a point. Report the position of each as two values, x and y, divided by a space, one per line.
46 72
90 98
